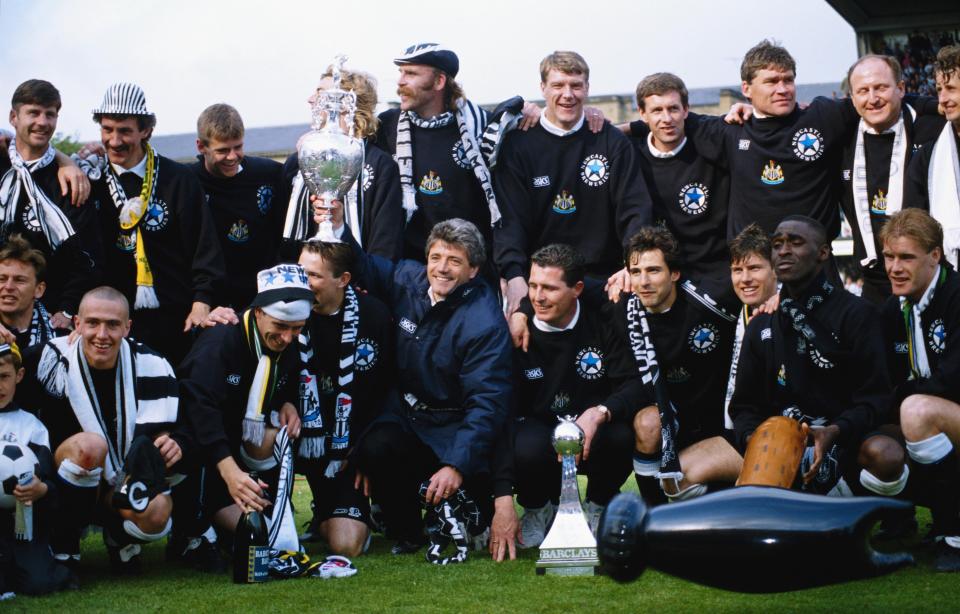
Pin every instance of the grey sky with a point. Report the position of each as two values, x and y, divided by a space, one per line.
264 57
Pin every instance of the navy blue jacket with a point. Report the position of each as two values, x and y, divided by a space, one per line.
454 358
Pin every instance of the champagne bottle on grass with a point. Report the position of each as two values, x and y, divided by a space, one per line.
251 552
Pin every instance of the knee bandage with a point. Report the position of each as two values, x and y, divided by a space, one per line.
885 489
73 473
138 534
690 492
930 450
257 464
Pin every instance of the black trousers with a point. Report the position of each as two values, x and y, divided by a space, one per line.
397 462
538 471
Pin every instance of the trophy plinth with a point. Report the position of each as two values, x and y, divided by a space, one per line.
330 158
569 549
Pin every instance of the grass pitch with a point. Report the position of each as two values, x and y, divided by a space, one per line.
386 583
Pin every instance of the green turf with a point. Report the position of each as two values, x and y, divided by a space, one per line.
408 584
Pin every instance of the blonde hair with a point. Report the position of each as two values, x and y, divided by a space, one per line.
568 62
219 122
365 87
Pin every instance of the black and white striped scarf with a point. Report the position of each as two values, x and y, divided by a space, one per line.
645 356
296 225
281 529
472 121
40 330
53 222
312 443
811 332
146 393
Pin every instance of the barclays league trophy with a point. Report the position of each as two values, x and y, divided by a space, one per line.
330 159
569 549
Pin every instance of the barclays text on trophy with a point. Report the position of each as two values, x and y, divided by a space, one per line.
569 548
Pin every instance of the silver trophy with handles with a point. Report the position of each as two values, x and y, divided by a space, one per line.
330 156
569 549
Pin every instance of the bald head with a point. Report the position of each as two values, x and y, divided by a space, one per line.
876 89
107 294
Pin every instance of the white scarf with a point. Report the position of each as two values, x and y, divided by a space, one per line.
732 379
943 185
53 222
63 371
861 199
916 346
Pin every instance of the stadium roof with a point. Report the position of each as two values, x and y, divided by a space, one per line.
871 15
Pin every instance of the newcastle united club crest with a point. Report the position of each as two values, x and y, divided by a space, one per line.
431 184
878 205
808 144
937 336
703 338
560 403
239 232
127 241
693 198
590 363
564 204
264 198
772 174
595 170
365 356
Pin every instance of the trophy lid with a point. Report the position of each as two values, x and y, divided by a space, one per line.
567 436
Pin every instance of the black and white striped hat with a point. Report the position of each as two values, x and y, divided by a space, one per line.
431 54
123 99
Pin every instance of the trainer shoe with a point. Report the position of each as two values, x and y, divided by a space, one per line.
947 557
197 553
534 524
593 512
333 567
125 561
311 531
405 546
479 542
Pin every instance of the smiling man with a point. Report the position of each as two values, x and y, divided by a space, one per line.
31 203
435 137
238 386
22 270
754 281
159 244
560 182
453 386
875 160
242 194
693 338
341 392
934 175
784 159
820 359
111 407
921 319
575 364
689 192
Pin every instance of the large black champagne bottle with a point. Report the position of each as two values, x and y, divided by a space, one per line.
251 552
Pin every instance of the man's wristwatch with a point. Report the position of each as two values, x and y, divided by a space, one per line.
605 412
